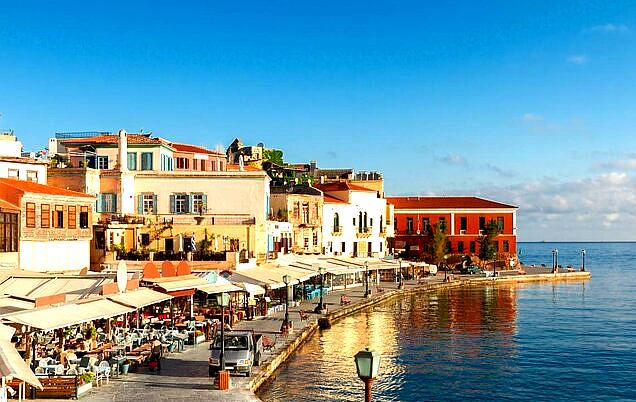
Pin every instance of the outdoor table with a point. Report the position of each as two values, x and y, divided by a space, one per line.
115 364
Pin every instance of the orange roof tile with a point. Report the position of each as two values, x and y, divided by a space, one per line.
444 203
31 187
247 168
113 139
341 186
7 206
193 149
332 200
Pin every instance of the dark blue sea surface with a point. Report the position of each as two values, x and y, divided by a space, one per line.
537 341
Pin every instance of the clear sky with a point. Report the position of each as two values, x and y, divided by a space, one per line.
527 102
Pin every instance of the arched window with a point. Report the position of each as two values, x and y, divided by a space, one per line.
365 221
336 222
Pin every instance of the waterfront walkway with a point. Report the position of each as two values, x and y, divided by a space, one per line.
184 376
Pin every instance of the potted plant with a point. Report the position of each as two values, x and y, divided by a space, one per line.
85 382
199 337
125 367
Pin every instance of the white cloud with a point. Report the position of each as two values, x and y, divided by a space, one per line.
531 117
454 159
610 28
577 59
619 164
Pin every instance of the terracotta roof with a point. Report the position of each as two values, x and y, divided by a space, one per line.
247 168
333 200
31 187
7 206
113 139
22 159
341 186
193 149
444 203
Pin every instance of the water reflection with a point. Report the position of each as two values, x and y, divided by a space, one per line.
426 342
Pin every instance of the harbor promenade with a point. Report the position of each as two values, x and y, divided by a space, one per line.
184 376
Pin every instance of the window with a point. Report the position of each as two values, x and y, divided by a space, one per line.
132 160
183 163
343 246
306 242
460 247
409 225
58 217
426 225
145 239
83 219
315 239
221 166
336 222
8 232
72 216
471 245
199 203
195 164
107 202
30 214
482 223
102 162
506 246
202 165
147 204
13 174
381 244
463 223
146 161
213 166
354 221
305 212
500 223
32 175
45 216
371 222
179 203
442 224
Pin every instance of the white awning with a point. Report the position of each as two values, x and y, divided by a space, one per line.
176 283
140 298
49 318
212 288
272 276
251 288
12 365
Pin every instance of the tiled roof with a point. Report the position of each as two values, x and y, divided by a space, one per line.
246 168
31 187
444 203
22 159
7 206
333 200
341 186
113 139
193 148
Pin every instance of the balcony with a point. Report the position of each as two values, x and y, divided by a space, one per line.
336 231
383 231
363 232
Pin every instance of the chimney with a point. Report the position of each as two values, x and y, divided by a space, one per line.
322 179
123 150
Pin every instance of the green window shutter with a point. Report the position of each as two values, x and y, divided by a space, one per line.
132 160
205 204
140 204
154 203
99 203
187 203
114 198
172 204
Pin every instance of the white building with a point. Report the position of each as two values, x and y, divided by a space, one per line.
14 166
356 221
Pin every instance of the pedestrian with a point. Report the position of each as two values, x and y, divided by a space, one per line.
155 354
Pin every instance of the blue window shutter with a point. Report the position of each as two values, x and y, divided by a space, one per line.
154 204
140 204
205 204
172 206
114 198
99 203
187 203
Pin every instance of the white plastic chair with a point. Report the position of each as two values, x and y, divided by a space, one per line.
103 371
59 369
72 371
40 371
43 363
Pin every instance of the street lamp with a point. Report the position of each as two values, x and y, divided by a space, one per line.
400 283
222 300
286 280
366 279
445 266
368 365
321 271
555 260
583 252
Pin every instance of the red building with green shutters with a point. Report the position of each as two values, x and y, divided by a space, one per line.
463 219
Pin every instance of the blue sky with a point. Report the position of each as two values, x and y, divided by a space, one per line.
527 102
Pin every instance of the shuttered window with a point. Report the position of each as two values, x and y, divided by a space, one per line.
30 214
107 202
146 161
83 217
58 217
72 217
132 160
45 218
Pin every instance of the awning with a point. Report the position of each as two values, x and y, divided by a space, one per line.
272 276
50 318
12 365
251 288
10 304
212 288
176 283
140 298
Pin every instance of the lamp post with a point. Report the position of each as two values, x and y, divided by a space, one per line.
222 300
583 252
555 260
321 271
445 267
366 279
400 283
368 365
286 280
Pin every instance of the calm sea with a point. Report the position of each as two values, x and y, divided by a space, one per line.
562 341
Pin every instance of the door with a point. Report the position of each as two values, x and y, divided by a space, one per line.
355 248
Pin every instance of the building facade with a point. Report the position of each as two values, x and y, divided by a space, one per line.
356 221
302 206
462 218
51 233
158 195
14 166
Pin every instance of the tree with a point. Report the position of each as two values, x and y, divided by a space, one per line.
439 244
274 156
487 247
